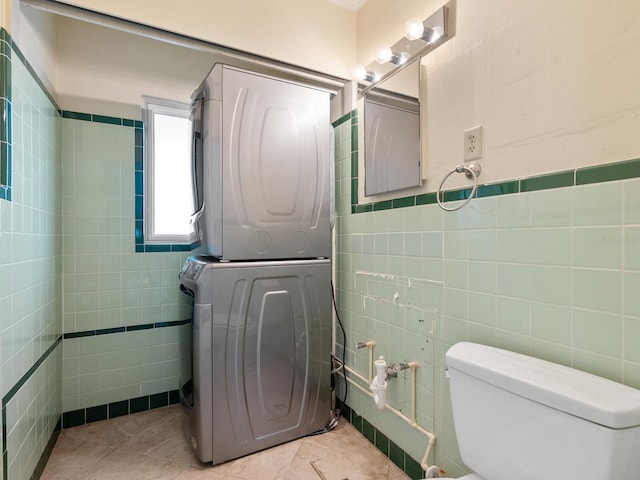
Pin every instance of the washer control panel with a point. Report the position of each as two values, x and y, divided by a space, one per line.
191 268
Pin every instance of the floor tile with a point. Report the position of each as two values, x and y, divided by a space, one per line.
151 445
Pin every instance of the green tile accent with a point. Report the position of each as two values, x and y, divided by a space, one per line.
119 409
363 208
453 195
356 421
608 172
426 199
354 191
46 454
105 119
368 431
76 115
404 202
341 120
382 442
493 189
412 468
140 404
5 73
545 182
5 164
158 400
354 137
354 164
95 414
384 205
396 455
74 418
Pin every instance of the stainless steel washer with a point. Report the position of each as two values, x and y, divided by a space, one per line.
261 353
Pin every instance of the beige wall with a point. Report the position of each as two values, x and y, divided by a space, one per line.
313 34
34 32
552 83
106 71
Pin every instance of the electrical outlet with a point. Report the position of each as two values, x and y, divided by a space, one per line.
473 143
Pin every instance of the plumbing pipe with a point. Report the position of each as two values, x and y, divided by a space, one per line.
370 344
413 366
432 438
379 385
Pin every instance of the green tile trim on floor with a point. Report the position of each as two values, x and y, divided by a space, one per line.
46 454
390 449
566 178
97 413
12 392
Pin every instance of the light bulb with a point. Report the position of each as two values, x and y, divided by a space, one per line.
413 29
359 73
384 55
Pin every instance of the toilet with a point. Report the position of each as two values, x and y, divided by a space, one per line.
522 418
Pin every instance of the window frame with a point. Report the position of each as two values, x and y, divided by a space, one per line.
152 106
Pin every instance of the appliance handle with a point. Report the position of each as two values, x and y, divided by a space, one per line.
196 158
196 216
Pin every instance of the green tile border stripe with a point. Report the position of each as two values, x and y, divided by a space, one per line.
567 178
82 416
391 450
129 328
5 36
12 392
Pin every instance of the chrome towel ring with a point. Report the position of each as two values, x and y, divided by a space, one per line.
471 171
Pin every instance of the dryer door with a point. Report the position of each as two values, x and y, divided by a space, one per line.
276 150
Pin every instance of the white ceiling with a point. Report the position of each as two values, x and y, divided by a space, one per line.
353 5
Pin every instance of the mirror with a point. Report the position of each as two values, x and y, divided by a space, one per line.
392 133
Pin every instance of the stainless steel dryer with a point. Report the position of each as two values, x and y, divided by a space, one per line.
261 353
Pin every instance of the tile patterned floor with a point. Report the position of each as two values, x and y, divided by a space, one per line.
151 445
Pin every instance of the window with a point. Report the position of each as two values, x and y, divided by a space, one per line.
169 200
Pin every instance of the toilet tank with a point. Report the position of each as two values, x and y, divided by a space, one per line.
519 417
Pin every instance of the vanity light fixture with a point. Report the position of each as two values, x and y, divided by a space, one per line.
415 29
385 54
420 38
360 73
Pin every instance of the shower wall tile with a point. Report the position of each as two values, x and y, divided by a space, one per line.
599 204
598 289
113 296
30 264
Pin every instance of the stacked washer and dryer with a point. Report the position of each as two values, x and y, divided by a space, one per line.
261 287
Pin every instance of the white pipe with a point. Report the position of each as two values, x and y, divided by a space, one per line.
370 344
413 366
379 385
355 373
432 438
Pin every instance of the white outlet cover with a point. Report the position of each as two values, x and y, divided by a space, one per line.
473 143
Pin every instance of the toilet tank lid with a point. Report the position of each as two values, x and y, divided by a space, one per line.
578 393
